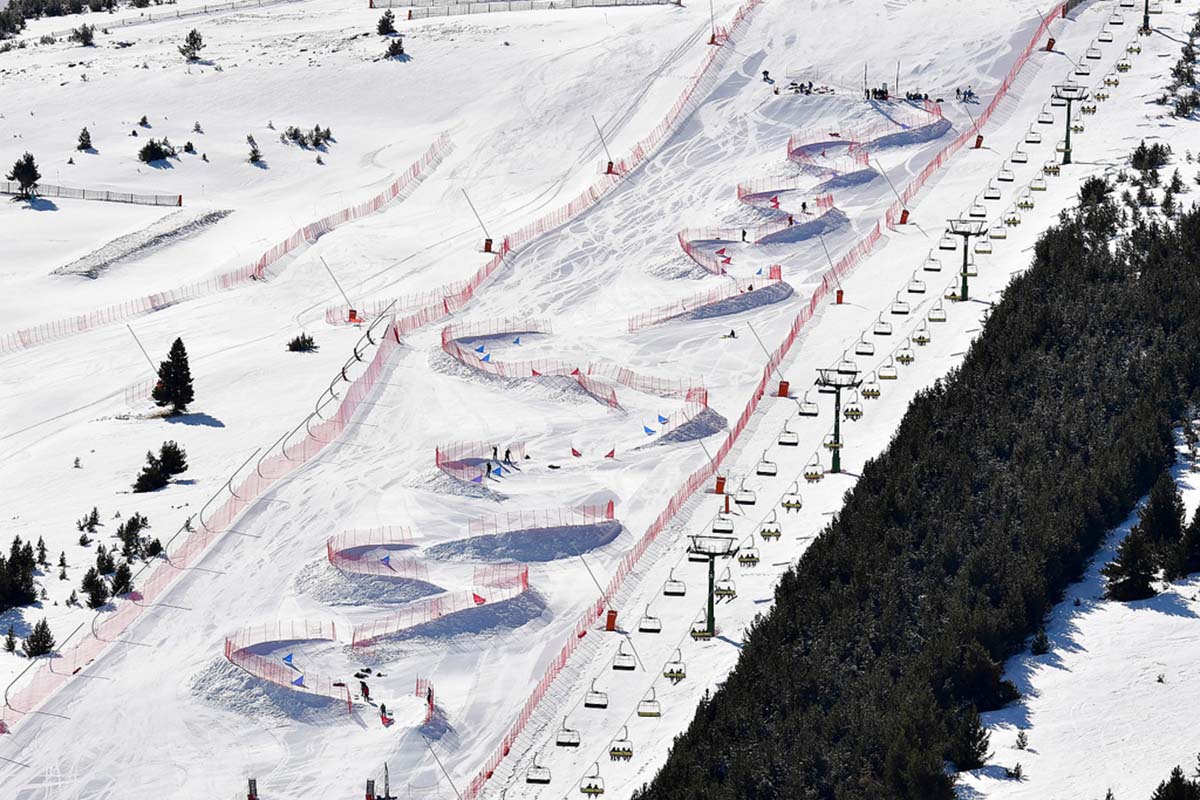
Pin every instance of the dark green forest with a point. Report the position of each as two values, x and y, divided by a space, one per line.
886 640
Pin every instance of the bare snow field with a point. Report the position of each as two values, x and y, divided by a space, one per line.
162 710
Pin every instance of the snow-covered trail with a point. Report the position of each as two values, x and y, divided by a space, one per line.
588 276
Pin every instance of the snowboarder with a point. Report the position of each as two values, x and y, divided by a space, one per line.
383 710
791 221
804 207
495 453
366 690
508 456
743 234
732 333
958 93
487 469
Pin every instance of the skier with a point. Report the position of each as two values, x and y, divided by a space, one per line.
791 221
487 468
495 453
383 710
732 333
366 690
958 93
804 207
743 234
508 456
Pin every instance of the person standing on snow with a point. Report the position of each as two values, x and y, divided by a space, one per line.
366 690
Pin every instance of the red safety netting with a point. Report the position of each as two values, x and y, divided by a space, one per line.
541 519
239 650
492 584
725 291
367 552
694 482
259 270
370 309
901 118
468 461
424 689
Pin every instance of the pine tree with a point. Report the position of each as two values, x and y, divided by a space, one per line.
395 48
172 459
192 45
95 588
62 559
25 173
387 24
104 561
174 385
73 600
1177 787
152 477
85 143
85 34
40 640
969 748
1189 547
10 640
122 580
41 553
1131 572
255 154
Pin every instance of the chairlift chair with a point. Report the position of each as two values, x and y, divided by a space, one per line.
1116 19
882 327
1105 35
1077 123
674 587
766 468
791 501
622 661
870 390
649 623
900 307
537 774
948 242
1019 156
915 286
972 270
1045 117
1083 68
937 313
1135 45
983 245
846 366
1025 201
566 737
1012 217
932 263
853 410
699 631
814 472
621 748
998 231
722 523
977 210
831 444
905 355
921 337
1155 8
991 192
744 496
807 408
1032 137
1005 175
1127 3
724 588
748 556
1088 109
675 670
1124 65
1058 102
649 706
1052 168
888 372
592 785
788 437
594 698
1037 185
1093 54
1101 94
864 348
770 529
1061 146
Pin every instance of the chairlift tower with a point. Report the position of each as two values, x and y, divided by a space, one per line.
841 377
1070 92
967 229
712 548
1145 29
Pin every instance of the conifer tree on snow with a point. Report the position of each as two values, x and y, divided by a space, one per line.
255 155
1177 787
10 640
1189 548
192 45
1130 574
152 477
122 580
40 640
85 140
172 459
174 387
1162 517
95 588
25 173
387 23
970 748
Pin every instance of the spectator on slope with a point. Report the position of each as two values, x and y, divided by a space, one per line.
508 456
366 690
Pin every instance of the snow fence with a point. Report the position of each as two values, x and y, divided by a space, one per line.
239 651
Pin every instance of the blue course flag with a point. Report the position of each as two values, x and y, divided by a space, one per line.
662 420
387 560
299 681
759 271
479 349
477 479
517 340
498 471
288 659
488 357
649 431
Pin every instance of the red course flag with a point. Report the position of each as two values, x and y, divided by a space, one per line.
775 202
575 452
478 600
611 453
721 252
536 374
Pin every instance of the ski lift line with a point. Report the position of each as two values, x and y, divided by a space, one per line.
149 360
757 338
476 213
832 269
600 133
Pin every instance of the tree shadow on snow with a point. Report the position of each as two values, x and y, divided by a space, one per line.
195 419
